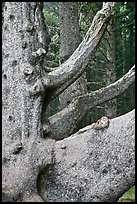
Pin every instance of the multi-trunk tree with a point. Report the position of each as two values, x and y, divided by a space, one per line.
45 159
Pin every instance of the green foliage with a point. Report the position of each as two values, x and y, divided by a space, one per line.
124 22
128 195
52 21
87 10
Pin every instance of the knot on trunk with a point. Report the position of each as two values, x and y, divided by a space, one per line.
37 88
28 70
29 27
37 57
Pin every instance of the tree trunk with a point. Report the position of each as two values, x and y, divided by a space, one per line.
110 106
27 87
89 159
69 41
22 105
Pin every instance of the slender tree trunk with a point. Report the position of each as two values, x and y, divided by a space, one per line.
110 106
69 41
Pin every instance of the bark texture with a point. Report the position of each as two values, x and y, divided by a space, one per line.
22 102
87 160
26 89
69 41
110 106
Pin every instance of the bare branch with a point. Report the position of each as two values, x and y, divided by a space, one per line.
77 109
109 92
71 69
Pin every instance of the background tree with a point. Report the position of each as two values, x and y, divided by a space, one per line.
38 164
110 106
125 50
69 41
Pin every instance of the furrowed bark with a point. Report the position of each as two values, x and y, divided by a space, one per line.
82 104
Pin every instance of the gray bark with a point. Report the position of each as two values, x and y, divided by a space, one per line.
26 89
21 105
110 106
69 28
93 165
69 41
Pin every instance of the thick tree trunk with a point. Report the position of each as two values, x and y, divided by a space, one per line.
22 105
93 165
26 89
69 41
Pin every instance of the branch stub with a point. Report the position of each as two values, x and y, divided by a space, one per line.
28 71
41 51
37 88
